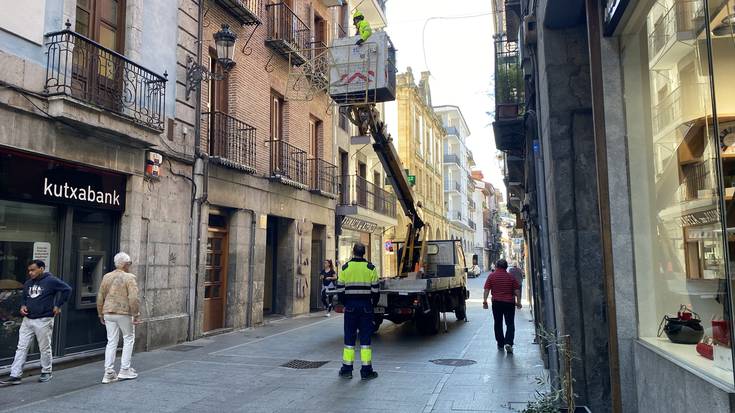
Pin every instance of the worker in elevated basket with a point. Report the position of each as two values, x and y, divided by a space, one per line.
362 26
358 289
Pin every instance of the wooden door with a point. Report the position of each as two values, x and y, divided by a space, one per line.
215 281
97 75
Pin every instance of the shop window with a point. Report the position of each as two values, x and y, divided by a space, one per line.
676 153
27 232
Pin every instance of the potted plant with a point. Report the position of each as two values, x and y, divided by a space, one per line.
507 90
560 396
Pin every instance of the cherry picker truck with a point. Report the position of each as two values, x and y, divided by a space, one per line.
432 274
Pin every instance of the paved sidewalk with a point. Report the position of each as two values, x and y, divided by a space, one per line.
240 372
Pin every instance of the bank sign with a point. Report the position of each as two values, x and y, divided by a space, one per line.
26 177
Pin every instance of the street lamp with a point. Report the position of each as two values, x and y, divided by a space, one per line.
224 41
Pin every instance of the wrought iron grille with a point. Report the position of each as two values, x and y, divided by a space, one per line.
83 69
509 97
231 141
287 161
285 31
359 191
322 176
247 12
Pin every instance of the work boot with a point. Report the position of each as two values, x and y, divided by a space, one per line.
368 375
345 374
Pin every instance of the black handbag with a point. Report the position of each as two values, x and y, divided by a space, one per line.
685 328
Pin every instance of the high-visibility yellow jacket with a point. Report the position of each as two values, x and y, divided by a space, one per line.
364 30
358 281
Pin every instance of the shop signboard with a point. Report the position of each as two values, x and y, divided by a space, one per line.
26 177
42 251
358 224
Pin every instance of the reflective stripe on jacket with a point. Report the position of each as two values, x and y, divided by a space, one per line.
358 278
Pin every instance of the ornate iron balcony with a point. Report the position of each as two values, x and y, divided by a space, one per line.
85 70
288 163
286 33
359 191
322 177
231 141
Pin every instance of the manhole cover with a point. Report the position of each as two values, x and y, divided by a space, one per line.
183 347
453 362
304 364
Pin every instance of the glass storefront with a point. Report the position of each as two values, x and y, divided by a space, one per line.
682 166
68 216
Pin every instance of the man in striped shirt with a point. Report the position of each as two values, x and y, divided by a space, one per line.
506 292
358 286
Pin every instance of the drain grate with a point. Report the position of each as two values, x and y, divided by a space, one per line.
304 364
183 347
454 362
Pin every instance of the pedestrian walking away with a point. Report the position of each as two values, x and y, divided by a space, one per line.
43 297
517 273
118 308
329 279
506 297
358 289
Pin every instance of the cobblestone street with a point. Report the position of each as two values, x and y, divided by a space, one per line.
241 372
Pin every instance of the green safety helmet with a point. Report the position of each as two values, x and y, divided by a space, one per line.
358 15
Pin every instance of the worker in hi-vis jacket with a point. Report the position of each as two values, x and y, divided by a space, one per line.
359 290
362 26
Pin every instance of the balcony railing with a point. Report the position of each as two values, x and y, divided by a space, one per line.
680 18
85 70
455 215
286 33
322 177
452 186
231 141
451 158
287 163
451 130
247 12
509 97
696 178
359 191
471 223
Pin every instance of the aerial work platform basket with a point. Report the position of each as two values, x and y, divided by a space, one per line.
363 74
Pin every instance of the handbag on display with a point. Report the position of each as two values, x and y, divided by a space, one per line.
721 332
705 349
685 328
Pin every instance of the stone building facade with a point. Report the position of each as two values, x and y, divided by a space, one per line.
420 136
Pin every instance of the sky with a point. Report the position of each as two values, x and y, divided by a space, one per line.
459 55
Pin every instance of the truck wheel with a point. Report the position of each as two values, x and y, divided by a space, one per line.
377 321
429 323
461 311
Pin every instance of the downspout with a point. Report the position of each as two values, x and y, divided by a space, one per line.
199 178
251 270
603 191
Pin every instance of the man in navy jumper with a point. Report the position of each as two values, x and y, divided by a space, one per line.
43 297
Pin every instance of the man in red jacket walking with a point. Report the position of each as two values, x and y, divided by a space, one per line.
506 298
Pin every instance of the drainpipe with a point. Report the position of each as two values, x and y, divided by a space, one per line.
199 178
603 190
251 270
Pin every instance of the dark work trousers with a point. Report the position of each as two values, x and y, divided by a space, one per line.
359 321
508 311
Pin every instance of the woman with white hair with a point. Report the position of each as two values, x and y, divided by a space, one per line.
118 309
